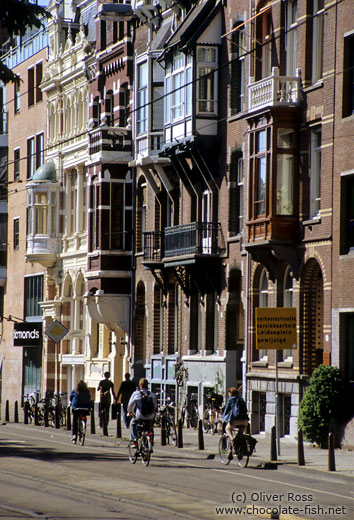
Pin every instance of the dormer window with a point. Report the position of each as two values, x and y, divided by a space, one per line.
207 80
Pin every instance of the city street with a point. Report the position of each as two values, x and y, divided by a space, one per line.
43 475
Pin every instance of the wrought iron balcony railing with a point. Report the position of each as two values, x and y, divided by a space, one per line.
275 91
203 238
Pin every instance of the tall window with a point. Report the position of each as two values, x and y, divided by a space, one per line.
347 214
263 302
315 171
178 87
317 39
264 44
195 321
39 150
290 37
39 73
207 80
285 171
236 210
16 237
33 295
142 112
17 97
30 158
157 95
237 72
287 302
30 78
141 214
259 166
117 215
16 164
348 76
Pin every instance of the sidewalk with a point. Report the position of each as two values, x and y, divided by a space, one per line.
315 458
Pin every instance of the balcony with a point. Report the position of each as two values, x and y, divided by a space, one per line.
283 91
109 143
188 240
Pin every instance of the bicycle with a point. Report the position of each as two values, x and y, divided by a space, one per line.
190 414
81 435
167 414
242 447
143 447
212 420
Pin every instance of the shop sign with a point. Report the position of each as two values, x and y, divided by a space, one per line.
275 328
28 334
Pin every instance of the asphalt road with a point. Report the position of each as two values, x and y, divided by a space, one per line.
43 475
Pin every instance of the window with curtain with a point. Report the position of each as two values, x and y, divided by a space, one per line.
207 80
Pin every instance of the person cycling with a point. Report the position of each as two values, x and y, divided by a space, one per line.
142 404
235 413
79 399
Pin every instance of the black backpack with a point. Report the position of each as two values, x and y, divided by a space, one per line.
239 409
147 404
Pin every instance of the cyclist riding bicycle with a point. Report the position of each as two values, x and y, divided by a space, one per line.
235 413
142 404
80 400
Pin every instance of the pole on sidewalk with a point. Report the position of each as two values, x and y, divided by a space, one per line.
200 435
273 444
180 434
68 419
163 430
119 423
93 427
56 417
25 412
16 412
7 411
331 458
300 449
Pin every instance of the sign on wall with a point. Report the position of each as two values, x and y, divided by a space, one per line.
275 328
28 334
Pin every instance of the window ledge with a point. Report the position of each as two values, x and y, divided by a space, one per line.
285 364
348 119
314 86
234 238
236 117
348 254
262 363
311 222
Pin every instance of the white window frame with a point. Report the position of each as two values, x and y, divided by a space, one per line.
178 88
290 37
142 94
315 171
206 70
317 40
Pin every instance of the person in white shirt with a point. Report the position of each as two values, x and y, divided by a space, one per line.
143 407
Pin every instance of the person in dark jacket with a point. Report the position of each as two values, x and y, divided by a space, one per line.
232 421
105 387
80 398
126 389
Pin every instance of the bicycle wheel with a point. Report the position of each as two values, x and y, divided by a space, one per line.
82 431
242 453
225 449
145 450
133 453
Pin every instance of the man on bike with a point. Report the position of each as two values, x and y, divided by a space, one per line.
105 387
142 404
235 414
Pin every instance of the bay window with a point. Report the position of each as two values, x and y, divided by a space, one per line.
285 172
178 85
207 80
142 98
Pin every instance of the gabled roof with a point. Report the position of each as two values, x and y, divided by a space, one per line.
194 24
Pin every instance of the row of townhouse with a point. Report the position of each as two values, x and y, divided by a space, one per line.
172 166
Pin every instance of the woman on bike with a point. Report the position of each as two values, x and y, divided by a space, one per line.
235 412
80 399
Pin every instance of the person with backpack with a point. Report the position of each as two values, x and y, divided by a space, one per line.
143 407
235 412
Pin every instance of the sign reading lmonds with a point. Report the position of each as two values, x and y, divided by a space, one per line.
275 328
28 334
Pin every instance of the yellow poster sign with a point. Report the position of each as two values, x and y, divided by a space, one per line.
275 328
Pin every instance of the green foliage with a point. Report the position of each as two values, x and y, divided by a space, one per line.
15 18
320 403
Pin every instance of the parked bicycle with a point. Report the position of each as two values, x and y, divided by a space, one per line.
241 448
31 408
190 412
143 448
212 419
167 417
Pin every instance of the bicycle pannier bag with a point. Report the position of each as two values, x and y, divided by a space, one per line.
147 404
